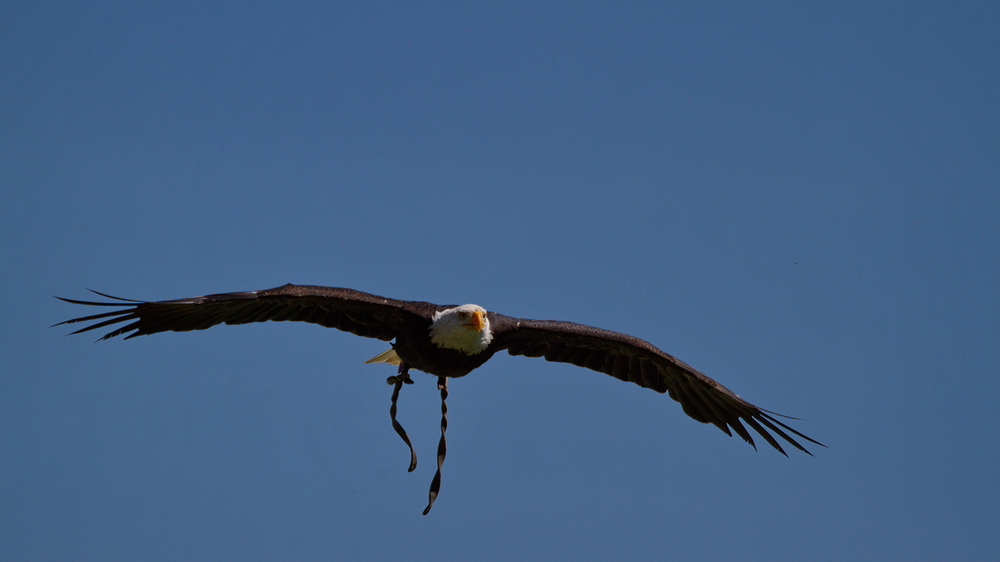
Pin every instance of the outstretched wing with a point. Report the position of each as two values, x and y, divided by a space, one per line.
632 359
345 309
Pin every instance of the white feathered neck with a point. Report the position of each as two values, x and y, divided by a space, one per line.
465 328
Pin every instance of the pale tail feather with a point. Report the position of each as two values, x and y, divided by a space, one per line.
387 356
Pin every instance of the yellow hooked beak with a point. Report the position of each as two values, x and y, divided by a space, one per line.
476 321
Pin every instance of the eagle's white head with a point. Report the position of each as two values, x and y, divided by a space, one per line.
465 328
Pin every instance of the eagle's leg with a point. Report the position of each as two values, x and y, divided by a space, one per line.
442 445
403 376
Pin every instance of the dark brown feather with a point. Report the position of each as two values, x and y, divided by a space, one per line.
345 309
635 360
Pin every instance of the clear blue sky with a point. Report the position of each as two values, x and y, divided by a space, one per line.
801 200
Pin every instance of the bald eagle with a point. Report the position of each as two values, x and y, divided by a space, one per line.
450 341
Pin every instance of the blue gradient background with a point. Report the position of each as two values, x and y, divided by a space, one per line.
800 200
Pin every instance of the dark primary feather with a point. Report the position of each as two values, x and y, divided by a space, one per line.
635 360
619 355
353 311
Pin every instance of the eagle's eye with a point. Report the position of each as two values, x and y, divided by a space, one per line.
462 315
